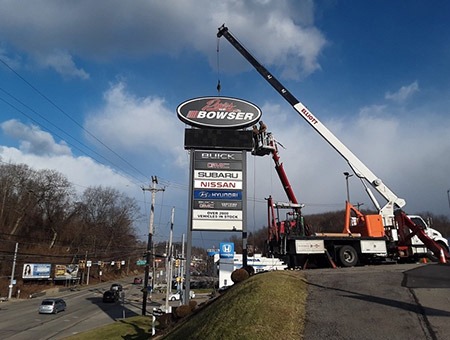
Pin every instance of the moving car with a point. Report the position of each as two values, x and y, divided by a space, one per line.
111 296
137 280
52 306
176 296
116 286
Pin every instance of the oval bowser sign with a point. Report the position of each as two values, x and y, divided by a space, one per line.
218 112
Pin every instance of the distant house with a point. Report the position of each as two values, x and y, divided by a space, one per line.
225 266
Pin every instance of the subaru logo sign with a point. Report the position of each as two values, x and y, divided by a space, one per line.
219 112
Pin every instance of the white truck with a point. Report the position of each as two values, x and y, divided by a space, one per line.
388 234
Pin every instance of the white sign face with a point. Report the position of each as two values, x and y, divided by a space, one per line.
218 215
216 225
218 175
234 185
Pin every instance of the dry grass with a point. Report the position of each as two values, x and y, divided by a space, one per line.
266 306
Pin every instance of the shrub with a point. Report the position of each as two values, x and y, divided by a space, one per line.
192 304
239 275
250 270
182 311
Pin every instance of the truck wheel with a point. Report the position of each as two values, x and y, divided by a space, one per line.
348 257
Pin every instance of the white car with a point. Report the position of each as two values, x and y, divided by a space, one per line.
176 296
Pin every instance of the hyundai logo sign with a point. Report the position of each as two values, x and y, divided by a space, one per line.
219 112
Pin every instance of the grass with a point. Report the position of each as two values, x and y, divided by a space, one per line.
265 306
136 328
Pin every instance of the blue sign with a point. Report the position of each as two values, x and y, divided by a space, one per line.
217 195
226 250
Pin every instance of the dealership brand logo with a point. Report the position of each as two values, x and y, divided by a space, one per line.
218 112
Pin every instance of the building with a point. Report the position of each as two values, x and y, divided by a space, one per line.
226 266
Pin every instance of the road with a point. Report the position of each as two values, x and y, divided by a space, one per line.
399 301
20 320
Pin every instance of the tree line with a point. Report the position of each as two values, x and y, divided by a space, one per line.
40 210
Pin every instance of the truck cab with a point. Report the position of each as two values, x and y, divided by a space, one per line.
435 235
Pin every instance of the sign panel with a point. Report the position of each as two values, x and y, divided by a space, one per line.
210 165
218 175
226 250
220 215
221 205
201 184
217 190
309 247
36 270
217 195
218 112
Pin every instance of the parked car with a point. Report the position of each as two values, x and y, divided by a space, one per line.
111 296
52 306
137 280
177 296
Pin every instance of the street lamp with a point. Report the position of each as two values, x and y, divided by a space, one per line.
347 175
448 196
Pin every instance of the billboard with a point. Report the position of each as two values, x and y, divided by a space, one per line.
36 271
66 272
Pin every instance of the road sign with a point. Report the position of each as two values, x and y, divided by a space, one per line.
141 262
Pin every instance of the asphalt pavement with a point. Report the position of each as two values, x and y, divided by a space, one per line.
398 301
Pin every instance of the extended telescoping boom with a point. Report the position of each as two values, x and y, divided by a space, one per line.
359 168
390 212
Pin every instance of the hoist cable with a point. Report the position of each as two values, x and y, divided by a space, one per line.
218 67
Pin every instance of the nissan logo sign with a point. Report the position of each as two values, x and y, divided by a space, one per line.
218 112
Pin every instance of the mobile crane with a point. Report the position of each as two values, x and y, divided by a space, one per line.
388 234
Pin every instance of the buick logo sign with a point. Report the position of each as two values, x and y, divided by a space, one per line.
219 112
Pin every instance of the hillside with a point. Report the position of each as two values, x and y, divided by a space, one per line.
266 306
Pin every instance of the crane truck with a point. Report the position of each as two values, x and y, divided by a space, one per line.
388 234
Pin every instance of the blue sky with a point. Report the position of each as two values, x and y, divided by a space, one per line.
91 89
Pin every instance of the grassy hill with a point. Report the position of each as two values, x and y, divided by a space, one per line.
265 306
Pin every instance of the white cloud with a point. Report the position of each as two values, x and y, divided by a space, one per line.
138 125
62 63
33 140
404 93
282 32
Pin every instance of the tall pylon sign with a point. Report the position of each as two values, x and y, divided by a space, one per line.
218 141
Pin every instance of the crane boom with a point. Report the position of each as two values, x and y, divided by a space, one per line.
358 167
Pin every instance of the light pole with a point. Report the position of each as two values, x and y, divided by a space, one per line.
347 175
448 196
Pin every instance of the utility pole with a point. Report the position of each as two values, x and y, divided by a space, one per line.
11 284
169 262
150 249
